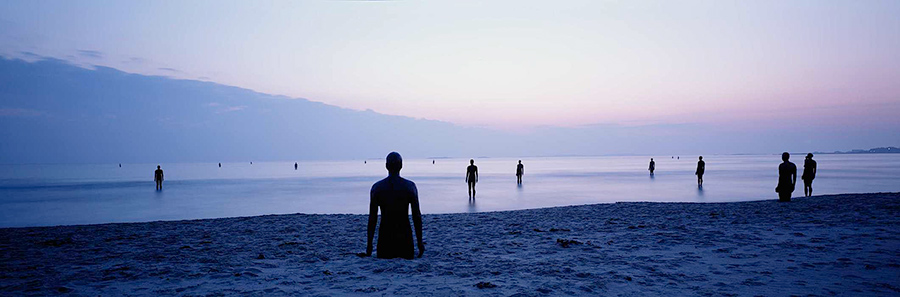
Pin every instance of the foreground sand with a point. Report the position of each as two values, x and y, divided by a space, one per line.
825 245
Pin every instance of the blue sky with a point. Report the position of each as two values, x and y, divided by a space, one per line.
748 65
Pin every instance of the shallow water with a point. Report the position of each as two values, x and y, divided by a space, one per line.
43 195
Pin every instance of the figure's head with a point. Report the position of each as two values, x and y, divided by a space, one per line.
393 162
520 161
701 158
785 156
157 167
809 156
651 159
472 161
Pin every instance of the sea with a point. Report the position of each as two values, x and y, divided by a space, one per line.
71 194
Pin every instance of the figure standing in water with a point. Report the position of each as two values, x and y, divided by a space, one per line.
394 195
520 170
701 168
809 173
158 177
220 165
652 166
787 178
295 165
471 177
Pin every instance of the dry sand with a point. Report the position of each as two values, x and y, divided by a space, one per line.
824 245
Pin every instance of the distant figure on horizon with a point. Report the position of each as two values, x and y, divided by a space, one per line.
652 166
120 165
220 165
701 168
471 177
295 165
158 177
520 170
787 178
809 174
364 162
432 162
394 195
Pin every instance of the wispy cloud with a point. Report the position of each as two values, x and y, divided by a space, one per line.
173 70
213 104
135 60
31 55
231 109
19 112
90 54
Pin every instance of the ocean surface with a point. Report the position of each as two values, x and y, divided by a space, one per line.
47 195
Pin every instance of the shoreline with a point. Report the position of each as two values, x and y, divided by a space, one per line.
830 244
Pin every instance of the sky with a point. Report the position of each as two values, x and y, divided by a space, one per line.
507 65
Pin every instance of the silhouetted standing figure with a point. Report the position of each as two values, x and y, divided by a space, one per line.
120 165
394 195
220 165
652 166
432 162
809 174
471 177
158 177
295 165
701 168
520 170
787 178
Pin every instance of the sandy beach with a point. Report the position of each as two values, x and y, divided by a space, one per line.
822 245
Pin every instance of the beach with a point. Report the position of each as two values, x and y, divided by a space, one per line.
823 245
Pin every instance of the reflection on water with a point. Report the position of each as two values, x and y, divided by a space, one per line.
33 195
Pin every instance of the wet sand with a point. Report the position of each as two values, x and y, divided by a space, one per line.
824 245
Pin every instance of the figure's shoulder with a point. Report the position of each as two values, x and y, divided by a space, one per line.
407 183
380 184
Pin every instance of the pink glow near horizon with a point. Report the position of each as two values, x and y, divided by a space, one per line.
509 65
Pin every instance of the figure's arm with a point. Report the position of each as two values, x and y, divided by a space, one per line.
162 176
467 176
417 221
794 177
476 174
373 220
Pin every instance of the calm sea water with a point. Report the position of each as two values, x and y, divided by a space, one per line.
44 195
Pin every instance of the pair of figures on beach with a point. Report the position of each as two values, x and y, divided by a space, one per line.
472 176
787 177
701 168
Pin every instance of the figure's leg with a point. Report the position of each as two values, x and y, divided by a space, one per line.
784 197
810 188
